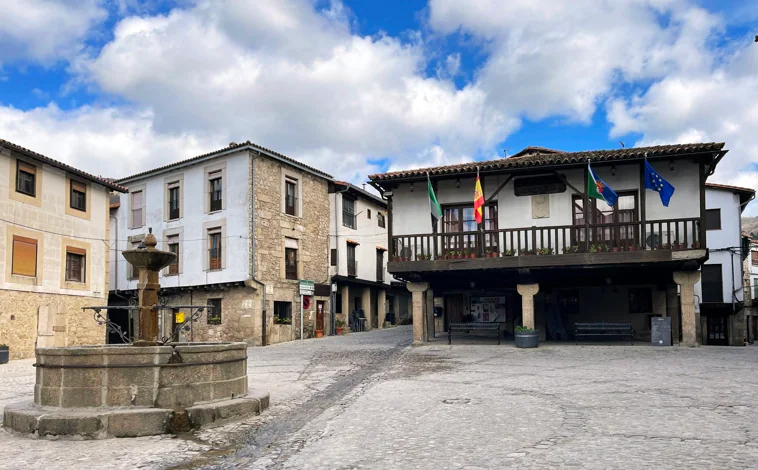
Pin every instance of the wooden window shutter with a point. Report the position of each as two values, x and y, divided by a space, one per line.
24 256
76 251
77 186
27 168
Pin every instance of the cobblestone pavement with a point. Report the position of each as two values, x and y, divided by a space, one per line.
367 401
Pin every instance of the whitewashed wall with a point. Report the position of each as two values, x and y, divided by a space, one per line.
730 236
410 210
367 232
194 222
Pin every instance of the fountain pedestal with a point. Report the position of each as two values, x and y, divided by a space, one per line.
147 388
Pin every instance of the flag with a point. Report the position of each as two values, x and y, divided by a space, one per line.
434 206
655 182
598 189
478 200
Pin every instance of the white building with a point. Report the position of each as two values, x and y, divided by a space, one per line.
247 224
53 251
720 292
358 259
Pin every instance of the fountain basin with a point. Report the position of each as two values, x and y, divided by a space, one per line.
87 391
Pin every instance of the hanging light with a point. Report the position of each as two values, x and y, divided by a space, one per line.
613 170
671 165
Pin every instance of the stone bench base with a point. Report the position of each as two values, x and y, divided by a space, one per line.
102 423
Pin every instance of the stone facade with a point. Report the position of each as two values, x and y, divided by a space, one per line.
272 226
54 319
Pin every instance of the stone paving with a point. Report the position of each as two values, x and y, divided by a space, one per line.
368 401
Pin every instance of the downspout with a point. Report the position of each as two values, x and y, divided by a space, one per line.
264 339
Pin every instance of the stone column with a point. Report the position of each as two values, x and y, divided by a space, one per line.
381 309
687 281
366 306
346 309
418 291
672 310
527 292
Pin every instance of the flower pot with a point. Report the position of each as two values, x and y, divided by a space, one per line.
4 353
527 340
340 330
319 333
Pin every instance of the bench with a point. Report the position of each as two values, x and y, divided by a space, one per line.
493 327
604 329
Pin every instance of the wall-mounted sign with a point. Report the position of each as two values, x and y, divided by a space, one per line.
533 185
486 309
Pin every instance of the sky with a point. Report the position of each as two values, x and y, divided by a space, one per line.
356 87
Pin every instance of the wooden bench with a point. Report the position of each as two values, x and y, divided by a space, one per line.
493 327
604 329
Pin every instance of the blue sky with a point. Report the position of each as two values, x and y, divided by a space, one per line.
358 87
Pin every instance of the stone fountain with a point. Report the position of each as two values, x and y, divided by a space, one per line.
140 389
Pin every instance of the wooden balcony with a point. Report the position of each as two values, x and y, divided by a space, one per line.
556 245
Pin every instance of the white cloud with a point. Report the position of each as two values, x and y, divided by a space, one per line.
717 105
45 31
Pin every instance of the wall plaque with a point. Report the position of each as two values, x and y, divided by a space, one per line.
534 185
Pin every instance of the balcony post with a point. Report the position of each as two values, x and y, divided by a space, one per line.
702 206
643 206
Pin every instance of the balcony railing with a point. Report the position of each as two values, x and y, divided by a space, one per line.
352 268
670 234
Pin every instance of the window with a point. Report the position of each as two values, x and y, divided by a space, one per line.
214 249
713 219
290 196
368 213
348 212
132 272
26 178
754 258
24 256
78 196
75 264
352 265
713 288
216 192
625 210
290 259
283 313
172 242
460 218
173 201
380 220
640 300
214 312
380 265
334 257
138 209
337 303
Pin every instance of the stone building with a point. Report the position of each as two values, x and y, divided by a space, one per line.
358 243
547 255
54 237
247 224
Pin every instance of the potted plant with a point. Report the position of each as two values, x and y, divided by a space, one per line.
319 333
340 327
697 245
571 249
472 255
526 252
508 253
545 251
526 337
594 248
4 353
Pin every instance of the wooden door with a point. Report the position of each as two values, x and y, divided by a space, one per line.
453 309
320 315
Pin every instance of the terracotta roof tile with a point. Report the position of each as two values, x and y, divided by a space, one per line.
538 156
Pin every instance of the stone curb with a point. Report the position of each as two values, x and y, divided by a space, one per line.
102 423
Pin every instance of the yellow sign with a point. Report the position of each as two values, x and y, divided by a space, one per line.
180 317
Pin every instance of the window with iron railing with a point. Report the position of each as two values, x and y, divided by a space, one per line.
214 251
216 195
348 213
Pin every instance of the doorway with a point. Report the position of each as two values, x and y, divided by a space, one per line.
320 315
453 309
717 330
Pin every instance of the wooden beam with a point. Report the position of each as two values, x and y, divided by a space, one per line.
702 205
497 191
643 205
563 178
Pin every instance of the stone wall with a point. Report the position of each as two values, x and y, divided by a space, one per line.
272 226
63 321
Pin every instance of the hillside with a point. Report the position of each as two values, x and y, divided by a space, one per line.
750 225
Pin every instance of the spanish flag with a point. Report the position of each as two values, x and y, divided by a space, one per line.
478 201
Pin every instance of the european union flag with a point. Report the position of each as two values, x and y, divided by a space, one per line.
656 182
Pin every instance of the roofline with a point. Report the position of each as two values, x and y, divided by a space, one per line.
363 193
249 146
527 169
57 164
745 194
